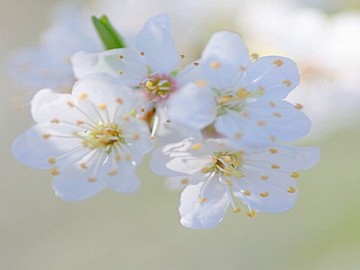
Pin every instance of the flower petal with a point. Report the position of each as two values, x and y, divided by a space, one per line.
157 44
275 76
200 107
278 119
202 215
125 179
224 59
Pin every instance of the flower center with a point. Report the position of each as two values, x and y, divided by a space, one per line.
159 86
104 136
225 163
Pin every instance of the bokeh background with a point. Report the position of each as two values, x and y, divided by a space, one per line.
141 231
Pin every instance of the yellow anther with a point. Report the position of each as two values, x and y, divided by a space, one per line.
291 190
264 194
54 171
246 192
132 113
295 175
119 101
113 172
196 146
83 96
278 63
215 64
275 166
102 106
52 160
242 93
91 179
276 114
46 136
254 56
149 84
202 199
260 91
251 213
237 210
261 123
142 110
121 56
83 166
121 72
264 177
298 106
205 170
70 104
273 150
55 121
287 83
272 104
201 83
238 174
227 159
185 181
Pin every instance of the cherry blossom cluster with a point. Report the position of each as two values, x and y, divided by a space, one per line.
218 127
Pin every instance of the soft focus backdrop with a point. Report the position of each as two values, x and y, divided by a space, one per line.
113 231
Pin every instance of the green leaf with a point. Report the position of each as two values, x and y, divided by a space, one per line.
107 33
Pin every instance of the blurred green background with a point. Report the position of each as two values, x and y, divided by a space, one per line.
141 231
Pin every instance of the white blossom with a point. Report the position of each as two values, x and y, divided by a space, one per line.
217 172
88 139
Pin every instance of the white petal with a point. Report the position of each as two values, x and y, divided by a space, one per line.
190 73
74 183
238 128
39 147
156 42
276 75
208 214
48 106
278 119
223 59
179 159
125 179
271 195
192 106
106 90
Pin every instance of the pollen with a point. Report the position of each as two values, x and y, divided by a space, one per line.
264 177
298 106
182 56
275 166
142 53
251 213
291 190
83 96
135 136
91 179
245 114
80 122
242 93
254 56
246 192
261 123
55 121
215 64
54 171
121 56
113 172
119 101
276 114
118 158
201 83
237 210
70 104
83 166
287 83
295 175
46 136
196 146
278 63
52 160
102 106
202 199
184 181
195 64
273 150
272 104
264 194
229 183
